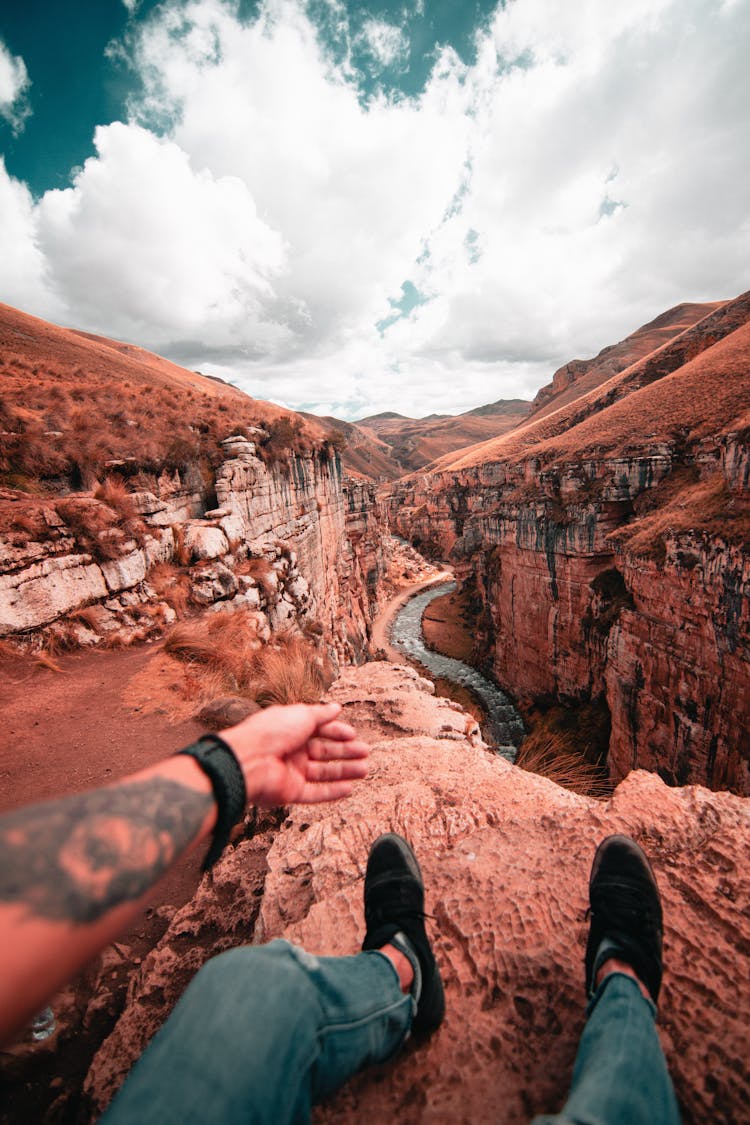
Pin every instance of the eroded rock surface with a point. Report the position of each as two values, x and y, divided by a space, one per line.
506 858
608 546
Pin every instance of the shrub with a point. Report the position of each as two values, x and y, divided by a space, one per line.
114 492
291 672
171 585
224 655
551 756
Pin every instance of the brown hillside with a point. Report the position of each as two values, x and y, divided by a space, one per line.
362 452
580 376
678 394
72 402
416 442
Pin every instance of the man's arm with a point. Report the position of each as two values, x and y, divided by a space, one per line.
75 872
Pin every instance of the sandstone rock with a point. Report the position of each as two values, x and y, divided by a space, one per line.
506 857
205 541
226 711
233 527
159 546
125 572
213 583
46 590
146 504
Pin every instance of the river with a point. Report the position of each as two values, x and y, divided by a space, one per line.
503 723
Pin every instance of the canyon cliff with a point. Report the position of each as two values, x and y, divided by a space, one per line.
261 517
508 917
604 544
608 545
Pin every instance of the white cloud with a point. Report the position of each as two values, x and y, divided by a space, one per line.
161 250
386 42
256 219
14 86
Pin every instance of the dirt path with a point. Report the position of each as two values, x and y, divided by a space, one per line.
76 729
381 625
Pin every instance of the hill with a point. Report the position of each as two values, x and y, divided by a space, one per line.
578 377
694 385
416 442
362 452
75 405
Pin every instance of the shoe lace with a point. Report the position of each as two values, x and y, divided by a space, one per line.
397 902
622 906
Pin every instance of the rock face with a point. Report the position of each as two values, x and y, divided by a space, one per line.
609 544
506 858
320 534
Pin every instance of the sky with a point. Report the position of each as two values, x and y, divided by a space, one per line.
349 207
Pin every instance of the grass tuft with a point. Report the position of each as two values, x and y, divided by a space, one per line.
225 656
551 756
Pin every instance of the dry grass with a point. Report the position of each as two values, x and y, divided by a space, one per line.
94 526
44 659
87 615
261 570
291 672
114 492
551 756
171 585
225 656
73 402
681 504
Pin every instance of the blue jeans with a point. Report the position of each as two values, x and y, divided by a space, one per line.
264 1032
620 1075
261 1034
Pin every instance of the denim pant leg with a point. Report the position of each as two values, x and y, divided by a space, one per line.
263 1032
620 1075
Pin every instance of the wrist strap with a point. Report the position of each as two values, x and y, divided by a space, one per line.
218 762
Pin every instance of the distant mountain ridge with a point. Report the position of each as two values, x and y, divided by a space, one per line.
579 376
416 442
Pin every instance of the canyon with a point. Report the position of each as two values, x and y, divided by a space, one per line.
600 537
606 543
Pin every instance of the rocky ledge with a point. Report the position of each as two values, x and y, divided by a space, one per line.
506 858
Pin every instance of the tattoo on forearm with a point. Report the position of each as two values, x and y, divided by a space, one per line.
77 858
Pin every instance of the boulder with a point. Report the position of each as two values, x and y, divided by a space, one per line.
506 857
46 590
204 541
226 711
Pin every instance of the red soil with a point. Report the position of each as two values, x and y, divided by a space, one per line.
76 729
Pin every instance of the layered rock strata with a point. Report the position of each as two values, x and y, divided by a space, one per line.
319 533
506 858
609 546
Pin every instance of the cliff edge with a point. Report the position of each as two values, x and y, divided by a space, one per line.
506 858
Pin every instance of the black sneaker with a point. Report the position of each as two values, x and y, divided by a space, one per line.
394 915
626 917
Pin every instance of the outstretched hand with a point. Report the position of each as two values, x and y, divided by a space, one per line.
299 753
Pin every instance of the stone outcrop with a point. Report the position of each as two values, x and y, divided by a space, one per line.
319 533
506 858
608 545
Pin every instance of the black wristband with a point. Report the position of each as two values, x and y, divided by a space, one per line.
217 760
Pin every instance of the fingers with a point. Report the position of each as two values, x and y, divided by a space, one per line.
314 793
336 729
342 770
325 749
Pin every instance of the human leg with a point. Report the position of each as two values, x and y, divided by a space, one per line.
620 1075
262 1033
